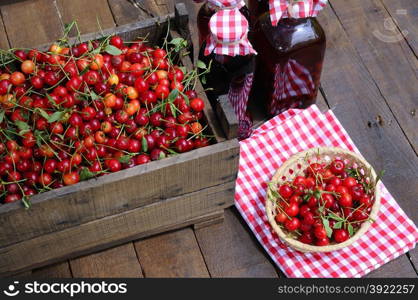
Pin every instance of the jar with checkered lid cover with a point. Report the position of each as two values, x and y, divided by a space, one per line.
291 47
209 8
232 59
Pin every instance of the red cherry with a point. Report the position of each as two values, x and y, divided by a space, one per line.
340 235
292 224
285 191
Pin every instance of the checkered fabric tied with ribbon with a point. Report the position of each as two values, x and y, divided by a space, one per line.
229 34
390 236
294 9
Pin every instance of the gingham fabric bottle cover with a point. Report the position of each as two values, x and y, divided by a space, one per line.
294 9
226 4
229 37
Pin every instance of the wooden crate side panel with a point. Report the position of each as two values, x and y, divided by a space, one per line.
115 193
152 29
109 231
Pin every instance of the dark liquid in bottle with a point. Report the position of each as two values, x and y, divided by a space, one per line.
257 8
203 17
289 62
232 76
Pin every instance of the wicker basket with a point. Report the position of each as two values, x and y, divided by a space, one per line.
293 167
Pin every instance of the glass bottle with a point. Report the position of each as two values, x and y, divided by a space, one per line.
289 61
257 8
231 75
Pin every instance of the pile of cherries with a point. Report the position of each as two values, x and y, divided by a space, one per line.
77 112
327 204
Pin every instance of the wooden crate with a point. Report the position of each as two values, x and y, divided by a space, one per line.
186 189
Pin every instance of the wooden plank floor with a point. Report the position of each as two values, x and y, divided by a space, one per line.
370 80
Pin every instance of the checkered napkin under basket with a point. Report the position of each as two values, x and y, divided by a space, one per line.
390 236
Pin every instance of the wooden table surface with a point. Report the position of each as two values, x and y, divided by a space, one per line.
370 81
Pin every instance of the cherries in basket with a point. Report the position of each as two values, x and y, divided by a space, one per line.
325 204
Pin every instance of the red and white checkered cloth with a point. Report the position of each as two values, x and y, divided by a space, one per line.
226 4
229 34
290 81
392 235
294 9
238 96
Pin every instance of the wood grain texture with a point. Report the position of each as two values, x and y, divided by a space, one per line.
91 15
231 251
227 117
59 270
118 262
124 12
4 42
173 254
398 268
159 7
120 192
114 230
413 258
349 88
405 12
386 57
21 275
30 23
358 104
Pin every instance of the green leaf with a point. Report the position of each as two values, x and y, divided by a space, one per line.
338 225
173 95
55 116
203 79
51 100
183 69
327 228
201 65
161 156
86 174
125 159
186 99
317 195
274 193
97 50
378 177
335 217
144 144
350 230
93 95
179 43
171 151
43 113
2 113
173 109
22 126
38 138
112 50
